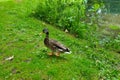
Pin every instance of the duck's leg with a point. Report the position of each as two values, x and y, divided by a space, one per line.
51 53
58 54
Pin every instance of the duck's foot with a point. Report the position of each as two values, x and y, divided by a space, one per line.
57 54
50 54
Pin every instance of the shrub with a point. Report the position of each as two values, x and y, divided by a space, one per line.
65 14
73 16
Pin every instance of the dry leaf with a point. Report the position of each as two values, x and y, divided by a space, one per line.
9 58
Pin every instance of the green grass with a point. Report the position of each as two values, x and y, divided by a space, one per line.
20 35
4 0
114 27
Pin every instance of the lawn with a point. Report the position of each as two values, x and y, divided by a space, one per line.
21 38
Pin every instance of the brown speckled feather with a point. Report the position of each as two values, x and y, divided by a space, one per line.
58 46
54 45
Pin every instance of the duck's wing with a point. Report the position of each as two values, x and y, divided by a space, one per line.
57 45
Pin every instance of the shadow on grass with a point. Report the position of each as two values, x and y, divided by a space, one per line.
45 56
57 57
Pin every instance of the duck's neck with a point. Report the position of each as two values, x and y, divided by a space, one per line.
46 40
47 36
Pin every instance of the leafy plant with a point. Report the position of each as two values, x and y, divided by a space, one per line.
66 14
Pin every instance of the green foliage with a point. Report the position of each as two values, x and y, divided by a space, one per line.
66 14
73 15
112 44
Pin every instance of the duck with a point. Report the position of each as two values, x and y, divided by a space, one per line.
56 47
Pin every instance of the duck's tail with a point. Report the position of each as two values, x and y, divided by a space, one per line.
68 51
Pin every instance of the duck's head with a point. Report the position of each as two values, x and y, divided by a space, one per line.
45 30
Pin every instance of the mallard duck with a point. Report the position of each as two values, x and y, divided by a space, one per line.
54 45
